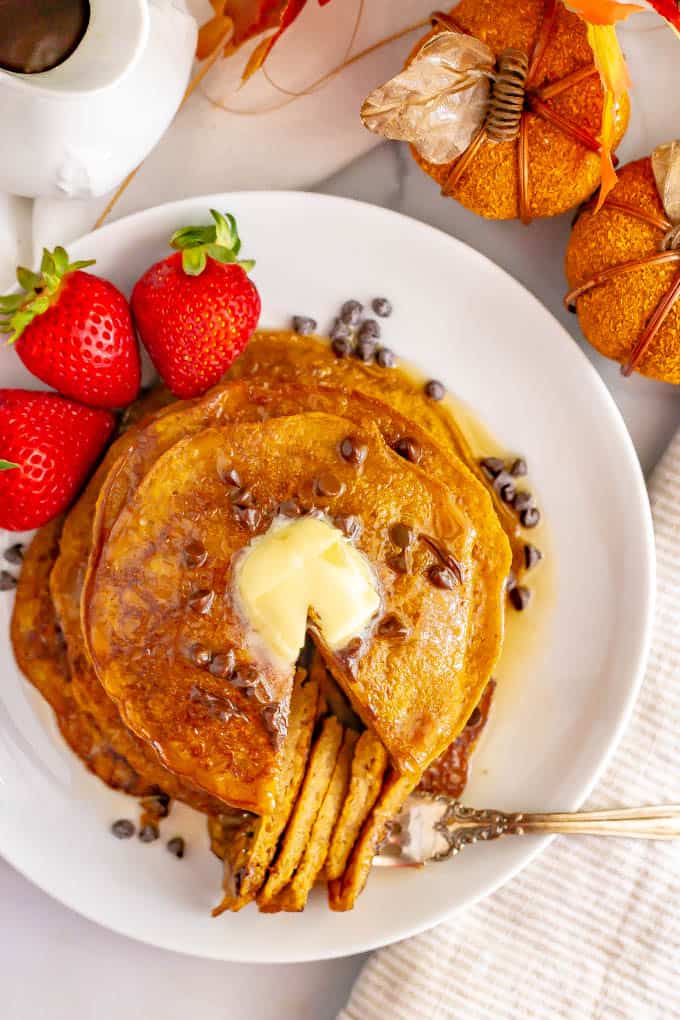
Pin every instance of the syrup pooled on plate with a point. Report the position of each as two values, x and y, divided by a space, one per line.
37 35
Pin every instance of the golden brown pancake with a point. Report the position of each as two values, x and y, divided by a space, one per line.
368 767
147 609
280 356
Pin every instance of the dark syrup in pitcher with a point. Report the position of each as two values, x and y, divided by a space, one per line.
36 35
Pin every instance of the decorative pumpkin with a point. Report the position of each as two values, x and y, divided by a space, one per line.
623 265
503 106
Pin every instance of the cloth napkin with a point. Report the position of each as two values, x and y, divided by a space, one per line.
591 929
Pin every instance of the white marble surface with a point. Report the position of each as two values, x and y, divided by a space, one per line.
57 966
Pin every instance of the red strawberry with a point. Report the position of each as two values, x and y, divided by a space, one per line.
74 332
48 445
196 310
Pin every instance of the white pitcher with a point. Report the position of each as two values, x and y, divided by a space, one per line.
78 129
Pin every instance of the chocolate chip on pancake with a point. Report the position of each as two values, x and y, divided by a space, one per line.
195 554
409 449
391 626
352 451
441 577
201 600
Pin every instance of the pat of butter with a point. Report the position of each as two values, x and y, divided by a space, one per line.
302 565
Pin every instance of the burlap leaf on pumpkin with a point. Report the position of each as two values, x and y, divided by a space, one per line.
666 168
439 102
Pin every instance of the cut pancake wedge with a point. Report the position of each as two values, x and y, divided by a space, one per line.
368 767
296 837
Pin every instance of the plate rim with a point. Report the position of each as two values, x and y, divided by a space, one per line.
646 551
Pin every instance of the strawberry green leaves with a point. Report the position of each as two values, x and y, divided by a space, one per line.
18 310
219 241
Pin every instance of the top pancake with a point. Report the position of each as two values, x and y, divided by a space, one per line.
416 693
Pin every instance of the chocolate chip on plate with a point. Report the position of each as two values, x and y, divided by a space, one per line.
149 833
7 581
386 358
304 325
520 596
435 390
342 346
176 846
492 466
511 580
352 451
382 307
530 517
340 330
123 828
15 554
350 313
532 555
369 330
409 449
519 467
365 349
505 486
523 500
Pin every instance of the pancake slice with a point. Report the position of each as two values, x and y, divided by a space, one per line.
315 785
295 895
254 843
343 892
368 767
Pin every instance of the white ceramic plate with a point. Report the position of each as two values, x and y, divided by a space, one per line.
561 706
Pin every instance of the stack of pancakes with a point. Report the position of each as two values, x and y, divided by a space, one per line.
127 622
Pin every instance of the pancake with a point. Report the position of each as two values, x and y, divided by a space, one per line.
41 656
280 356
320 766
141 618
366 776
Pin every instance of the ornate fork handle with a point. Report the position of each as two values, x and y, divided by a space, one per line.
460 825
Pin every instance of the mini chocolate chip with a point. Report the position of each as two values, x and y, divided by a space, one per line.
230 477
523 500
382 307
492 466
435 390
475 718
530 517
392 627
520 597
201 600
158 805
248 516
350 313
303 325
222 663
504 486
7 581
342 346
289 508
245 676
200 655
328 485
15 554
401 563
195 554
149 833
511 580
340 330
386 358
123 828
176 846
353 648
242 497
401 535
353 452
275 722
519 467
349 525
369 329
365 349
532 555
441 577
409 449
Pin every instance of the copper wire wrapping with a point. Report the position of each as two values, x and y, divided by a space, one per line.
507 96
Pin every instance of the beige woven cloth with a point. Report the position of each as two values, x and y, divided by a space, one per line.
591 929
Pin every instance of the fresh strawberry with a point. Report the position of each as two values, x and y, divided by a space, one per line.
48 446
196 310
73 331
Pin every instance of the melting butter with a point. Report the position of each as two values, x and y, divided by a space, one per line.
300 566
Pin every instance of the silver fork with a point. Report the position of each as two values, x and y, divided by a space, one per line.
434 828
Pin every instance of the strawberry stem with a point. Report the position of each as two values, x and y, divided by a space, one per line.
219 241
18 310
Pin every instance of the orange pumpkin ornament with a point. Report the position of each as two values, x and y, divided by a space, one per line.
535 151
623 265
